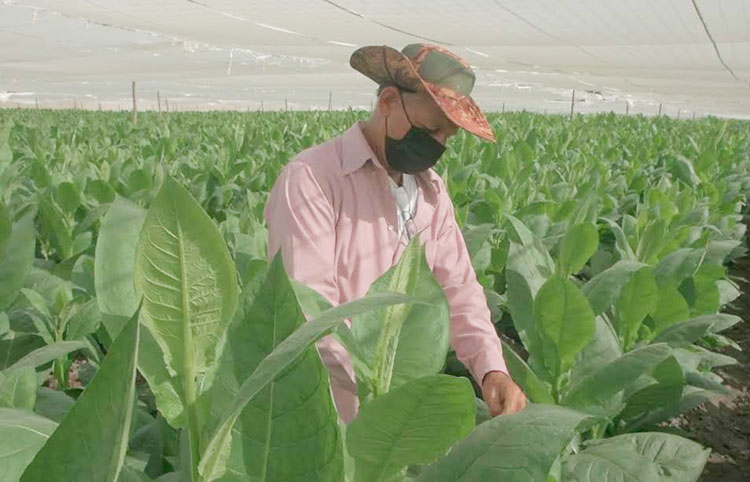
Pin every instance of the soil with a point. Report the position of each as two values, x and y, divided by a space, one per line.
724 423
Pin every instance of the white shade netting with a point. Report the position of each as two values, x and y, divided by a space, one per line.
689 56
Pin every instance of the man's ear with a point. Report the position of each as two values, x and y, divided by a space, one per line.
387 99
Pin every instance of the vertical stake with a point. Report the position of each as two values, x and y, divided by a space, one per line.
330 99
659 109
627 108
286 105
503 108
572 103
158 100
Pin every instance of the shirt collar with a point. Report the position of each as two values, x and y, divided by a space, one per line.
356 151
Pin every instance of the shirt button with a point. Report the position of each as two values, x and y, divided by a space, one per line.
390 227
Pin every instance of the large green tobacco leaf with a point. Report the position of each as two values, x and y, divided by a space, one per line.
114 268
91 441
678 265
565 321
579 244
701 290
188 281
537 390
638 299
53 404
16 259
599 390
47 353
6 154
115 258
6 226
520 233
621 242
403 342
412 424
52 218
664 395
524 279
294 410
16 348
603 349
212 464
512 448
603 289
22 434
18 388
651 241
671 309
636 457
189 284
685 333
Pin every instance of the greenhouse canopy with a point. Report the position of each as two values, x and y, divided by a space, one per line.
681 57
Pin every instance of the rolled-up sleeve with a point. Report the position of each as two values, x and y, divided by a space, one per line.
473 335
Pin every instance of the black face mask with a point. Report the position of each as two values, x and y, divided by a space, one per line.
417 151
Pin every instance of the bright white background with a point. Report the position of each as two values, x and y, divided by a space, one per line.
691 56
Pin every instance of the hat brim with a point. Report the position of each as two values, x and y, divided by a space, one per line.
386 65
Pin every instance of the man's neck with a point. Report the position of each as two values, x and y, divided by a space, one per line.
372 135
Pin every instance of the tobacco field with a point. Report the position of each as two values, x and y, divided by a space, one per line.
145 336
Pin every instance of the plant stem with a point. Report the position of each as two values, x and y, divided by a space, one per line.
192 414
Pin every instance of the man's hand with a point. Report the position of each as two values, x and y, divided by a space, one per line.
501 394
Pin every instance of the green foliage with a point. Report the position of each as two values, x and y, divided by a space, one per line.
601 243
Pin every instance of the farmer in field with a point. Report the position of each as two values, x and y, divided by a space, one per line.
343 212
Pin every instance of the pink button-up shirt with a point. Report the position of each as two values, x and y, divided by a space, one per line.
334 216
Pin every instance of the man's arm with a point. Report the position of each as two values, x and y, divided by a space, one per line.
473 335
301 223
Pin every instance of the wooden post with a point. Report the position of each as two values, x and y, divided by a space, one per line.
286 105
261 105
572 103
678 113
166 103
36 101
693 115
503 108
135 106
330 99
158 100
659 109
627 108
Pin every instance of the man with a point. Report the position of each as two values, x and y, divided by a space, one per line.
344 211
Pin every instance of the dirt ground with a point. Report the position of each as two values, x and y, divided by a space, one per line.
724 424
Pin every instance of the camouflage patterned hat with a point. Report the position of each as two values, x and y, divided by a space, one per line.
423 67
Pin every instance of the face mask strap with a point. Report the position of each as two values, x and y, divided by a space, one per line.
400 97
